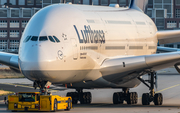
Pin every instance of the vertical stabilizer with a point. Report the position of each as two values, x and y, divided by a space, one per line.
140 5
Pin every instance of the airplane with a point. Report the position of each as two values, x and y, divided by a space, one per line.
88 47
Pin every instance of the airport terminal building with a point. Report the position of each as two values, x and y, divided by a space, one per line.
15 14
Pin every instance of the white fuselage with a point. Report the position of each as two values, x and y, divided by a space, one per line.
88 35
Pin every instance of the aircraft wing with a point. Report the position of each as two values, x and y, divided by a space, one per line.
166 49
168 36
135 66
10 60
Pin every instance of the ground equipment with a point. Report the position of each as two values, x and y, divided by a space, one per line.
34 101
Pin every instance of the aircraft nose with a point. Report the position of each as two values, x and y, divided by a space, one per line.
34 58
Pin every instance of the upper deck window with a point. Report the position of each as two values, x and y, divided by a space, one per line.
43 38
51 39
57 40
34 38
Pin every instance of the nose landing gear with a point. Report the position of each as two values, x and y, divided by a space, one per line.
43 85
157 98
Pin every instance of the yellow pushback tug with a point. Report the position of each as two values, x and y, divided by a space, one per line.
34 101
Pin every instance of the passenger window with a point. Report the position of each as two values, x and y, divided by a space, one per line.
51 39
27 38
43 38
34 38
57 40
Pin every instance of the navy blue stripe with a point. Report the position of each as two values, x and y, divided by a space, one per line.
80 41
58 101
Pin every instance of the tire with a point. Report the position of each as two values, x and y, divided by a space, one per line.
83 98
121 98
69 94
161 102
158 99
55 105
115 98
89 98
145 99
130 98
135 98
74 97
69 105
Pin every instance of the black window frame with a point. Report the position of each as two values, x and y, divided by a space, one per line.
43 39
51 39
33 37
27 38
56 39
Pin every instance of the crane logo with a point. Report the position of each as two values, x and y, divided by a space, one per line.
60 54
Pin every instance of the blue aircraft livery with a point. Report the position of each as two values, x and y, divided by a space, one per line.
90 36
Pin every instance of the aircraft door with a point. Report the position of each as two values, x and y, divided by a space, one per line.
99 51
143 32
74 47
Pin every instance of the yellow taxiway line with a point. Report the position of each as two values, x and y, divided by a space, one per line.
164 89
168 88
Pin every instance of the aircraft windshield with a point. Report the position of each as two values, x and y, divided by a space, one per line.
34 38
27 97
27 38
51 39
43 38
57 40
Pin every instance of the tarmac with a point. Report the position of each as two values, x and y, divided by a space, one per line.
168 85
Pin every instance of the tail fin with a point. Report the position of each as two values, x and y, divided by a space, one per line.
140 5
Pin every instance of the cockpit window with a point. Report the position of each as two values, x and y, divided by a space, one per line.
27 38
51 39
43 38
34 38
57 40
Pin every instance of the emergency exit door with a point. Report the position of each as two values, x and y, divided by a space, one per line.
75 49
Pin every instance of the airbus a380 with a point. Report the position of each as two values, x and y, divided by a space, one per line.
87 47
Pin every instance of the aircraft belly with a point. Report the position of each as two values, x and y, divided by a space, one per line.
79 78
56 76
101 83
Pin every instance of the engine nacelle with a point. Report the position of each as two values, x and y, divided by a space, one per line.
15 70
